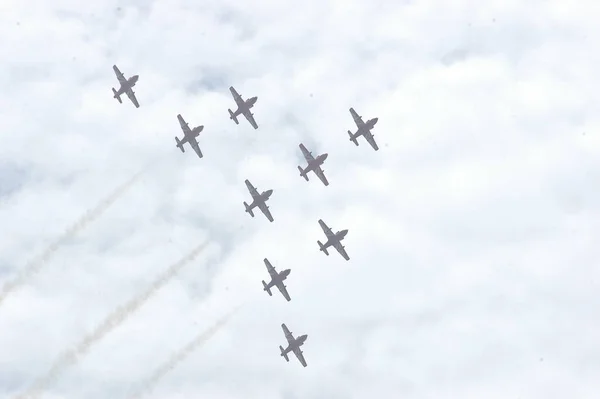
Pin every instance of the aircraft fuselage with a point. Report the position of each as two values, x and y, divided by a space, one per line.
262 198
283 274
279 278
338 237
298 342
315 163
245 106
194 132
128 84
367 126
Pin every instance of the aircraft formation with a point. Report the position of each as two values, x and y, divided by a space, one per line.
259 199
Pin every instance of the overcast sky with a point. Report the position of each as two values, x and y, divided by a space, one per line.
473 231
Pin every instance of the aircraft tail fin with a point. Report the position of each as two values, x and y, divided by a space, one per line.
267 288
352 138
248 209
285 356
302 173
116 95
233 117
179 144
322 248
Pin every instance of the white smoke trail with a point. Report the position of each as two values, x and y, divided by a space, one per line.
182 354
35 265
71 356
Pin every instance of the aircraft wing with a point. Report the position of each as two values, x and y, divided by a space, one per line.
307 155
283 291
357 118
250 117
340 248
184 126
120 76
370 139
194 143
288 333
265 210
270 268
321 175
236 96
131 96
325 228
251 188
299 355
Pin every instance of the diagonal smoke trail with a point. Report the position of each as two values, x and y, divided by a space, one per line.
36 264
179 356
110 323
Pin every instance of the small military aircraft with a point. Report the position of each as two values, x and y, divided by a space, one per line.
294 345
258 200
364 129
314 164
126 87
189 136
276 280
243 108
333 239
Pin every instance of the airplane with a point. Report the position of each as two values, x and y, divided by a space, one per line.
294 345
364 129
334 240
314 164
243 108
258 200
276 280
126 87
189 136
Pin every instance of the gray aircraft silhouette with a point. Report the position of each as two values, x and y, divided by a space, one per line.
243 108
258 200
189 136
126 87
276 280
364 129
294 345
333 240
314 164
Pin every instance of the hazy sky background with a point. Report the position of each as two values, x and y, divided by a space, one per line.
473 231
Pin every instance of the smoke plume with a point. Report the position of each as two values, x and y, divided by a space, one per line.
182 354
115 319
35 265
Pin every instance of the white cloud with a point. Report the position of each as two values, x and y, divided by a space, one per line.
473 267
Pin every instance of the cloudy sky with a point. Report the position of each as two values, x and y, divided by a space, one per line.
472 231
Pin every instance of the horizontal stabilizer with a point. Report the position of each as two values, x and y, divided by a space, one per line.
179 144
352 138
267 288
117 96
285 356
248 209
322 248
232 116
302 173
